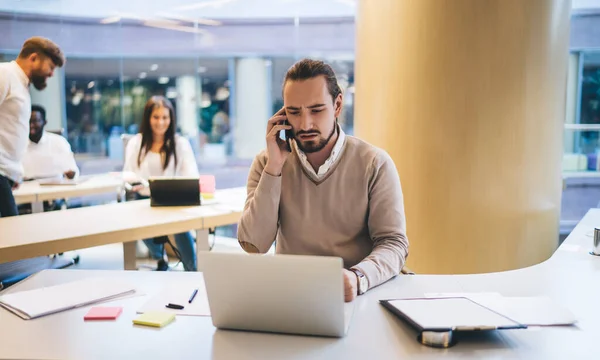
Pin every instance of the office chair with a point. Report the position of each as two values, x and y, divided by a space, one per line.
13 272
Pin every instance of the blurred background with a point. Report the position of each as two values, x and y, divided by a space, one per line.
222 62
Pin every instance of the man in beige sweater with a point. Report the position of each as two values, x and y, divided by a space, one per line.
324 192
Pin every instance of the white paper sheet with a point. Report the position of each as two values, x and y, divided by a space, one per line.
536 310
35 303
468 295
179 293
531 311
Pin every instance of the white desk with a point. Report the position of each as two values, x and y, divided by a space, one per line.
571 277
59 231
34 193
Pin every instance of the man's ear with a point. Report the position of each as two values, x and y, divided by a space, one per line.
339 101
34 57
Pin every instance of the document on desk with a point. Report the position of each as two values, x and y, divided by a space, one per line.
179 293
44 301
532 311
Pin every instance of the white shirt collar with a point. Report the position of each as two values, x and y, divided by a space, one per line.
323 169
21 74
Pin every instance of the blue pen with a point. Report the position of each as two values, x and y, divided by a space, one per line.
193 296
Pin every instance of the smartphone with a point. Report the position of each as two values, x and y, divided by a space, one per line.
287 136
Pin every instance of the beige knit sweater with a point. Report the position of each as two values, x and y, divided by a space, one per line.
355 212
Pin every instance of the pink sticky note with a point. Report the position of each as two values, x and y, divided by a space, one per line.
103 313
207 184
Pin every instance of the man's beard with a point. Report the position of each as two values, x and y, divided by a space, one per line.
38 81
35 137
313 147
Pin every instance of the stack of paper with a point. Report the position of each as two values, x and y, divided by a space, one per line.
31 304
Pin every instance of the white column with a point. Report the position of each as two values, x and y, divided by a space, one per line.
188 104
52 98
252 83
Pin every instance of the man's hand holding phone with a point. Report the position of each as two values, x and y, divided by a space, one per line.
277 148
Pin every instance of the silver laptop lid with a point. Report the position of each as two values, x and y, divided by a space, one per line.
283 293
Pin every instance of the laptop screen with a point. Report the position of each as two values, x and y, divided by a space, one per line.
174 191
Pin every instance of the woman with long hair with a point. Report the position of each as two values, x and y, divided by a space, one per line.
158 151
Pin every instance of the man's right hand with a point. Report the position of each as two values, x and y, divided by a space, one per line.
276 147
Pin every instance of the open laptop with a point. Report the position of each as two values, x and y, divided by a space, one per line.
174 191
291 294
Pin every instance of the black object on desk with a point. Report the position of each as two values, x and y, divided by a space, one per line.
174 306
174 191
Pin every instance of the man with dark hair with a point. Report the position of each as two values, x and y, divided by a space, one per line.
35 64
48 154
323 192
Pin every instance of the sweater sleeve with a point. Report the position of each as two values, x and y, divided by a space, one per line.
260 219
386 222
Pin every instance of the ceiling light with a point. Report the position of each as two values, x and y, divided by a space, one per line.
143 75
201 21
137 90
76 100
91 84
163 80
222 94
153 67
205 100
110 20
166 26
171 93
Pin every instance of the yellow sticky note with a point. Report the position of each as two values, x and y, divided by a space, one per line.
154 318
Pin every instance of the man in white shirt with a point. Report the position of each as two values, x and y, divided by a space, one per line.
35 64
47 155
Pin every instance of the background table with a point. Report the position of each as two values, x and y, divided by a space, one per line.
59 231
34 193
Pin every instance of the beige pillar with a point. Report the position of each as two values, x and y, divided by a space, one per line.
468 97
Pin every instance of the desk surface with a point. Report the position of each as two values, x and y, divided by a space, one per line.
571 277
58 231
32 191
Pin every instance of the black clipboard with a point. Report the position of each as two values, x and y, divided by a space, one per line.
427 316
